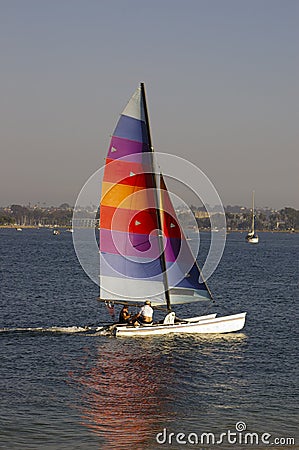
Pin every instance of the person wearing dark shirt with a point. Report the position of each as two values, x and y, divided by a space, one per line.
124 315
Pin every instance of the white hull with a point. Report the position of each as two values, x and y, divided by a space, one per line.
204 324
252 240
251 237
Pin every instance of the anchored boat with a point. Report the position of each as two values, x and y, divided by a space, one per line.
252 237
144 253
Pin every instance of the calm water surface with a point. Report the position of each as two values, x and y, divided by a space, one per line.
61 389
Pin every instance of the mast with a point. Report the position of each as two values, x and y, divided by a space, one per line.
253 212
162 256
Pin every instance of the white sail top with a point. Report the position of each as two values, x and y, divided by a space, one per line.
135 107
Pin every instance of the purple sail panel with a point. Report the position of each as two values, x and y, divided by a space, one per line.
172 248
129 244
120 148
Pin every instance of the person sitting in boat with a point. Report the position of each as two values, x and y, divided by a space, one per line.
124 315
145 315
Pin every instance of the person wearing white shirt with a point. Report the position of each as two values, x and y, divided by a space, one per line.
145 315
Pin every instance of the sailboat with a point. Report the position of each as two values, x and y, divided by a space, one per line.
144 253
252 237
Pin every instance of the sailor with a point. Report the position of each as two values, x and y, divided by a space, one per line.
124 315
145 315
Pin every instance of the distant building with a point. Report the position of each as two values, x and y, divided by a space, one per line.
201 214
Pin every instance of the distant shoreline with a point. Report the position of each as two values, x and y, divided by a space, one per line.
33 227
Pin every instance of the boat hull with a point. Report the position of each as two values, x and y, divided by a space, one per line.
209 325
252 240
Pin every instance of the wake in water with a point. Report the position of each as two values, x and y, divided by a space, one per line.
64 330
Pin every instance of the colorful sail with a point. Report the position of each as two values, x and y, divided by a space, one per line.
183 274
143 250
130 261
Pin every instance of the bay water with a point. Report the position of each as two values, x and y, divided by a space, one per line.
64 388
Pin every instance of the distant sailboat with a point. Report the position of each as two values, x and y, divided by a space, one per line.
252 237
137 262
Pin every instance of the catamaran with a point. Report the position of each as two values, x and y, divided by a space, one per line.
252 237
144 253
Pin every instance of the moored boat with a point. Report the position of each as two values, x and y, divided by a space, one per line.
252 237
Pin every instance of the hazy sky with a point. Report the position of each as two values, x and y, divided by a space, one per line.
221 78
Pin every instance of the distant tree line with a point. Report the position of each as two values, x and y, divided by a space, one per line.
240 218
237 218
36 216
